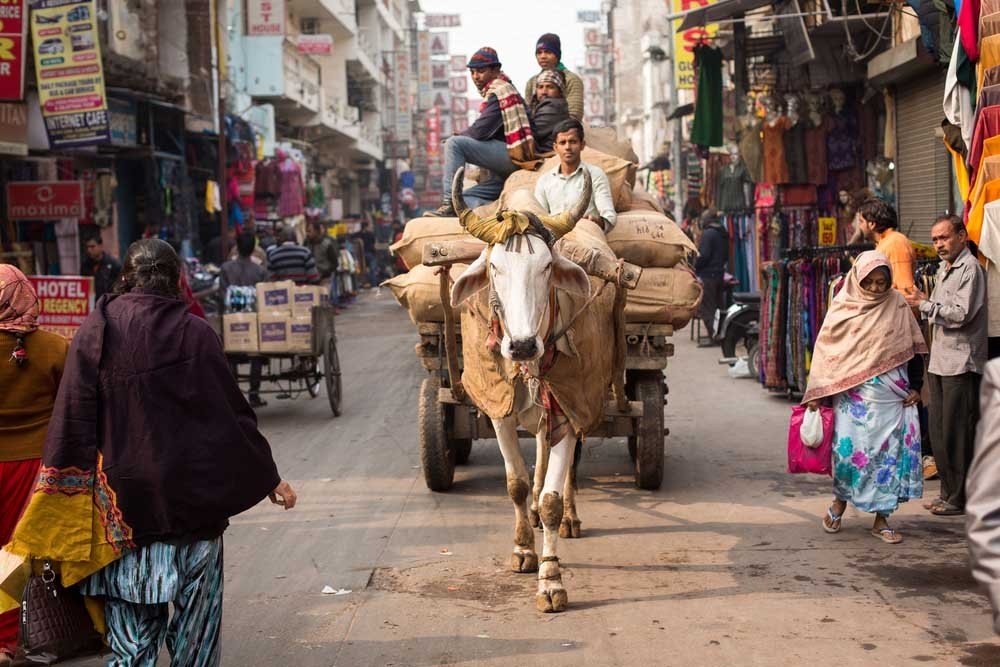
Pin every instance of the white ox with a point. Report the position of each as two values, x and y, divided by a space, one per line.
521 275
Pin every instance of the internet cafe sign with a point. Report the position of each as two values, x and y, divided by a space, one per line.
44 200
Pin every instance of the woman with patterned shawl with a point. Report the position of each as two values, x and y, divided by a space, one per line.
31 365
868 362
151 449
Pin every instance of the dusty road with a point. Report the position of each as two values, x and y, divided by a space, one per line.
725 565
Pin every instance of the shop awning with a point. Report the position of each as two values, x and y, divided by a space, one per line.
720 11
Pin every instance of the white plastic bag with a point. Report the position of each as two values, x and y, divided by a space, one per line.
811 430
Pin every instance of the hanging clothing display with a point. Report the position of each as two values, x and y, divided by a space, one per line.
733 188
795 152
707 129
841 141
752 149
815 149
292 199
775 165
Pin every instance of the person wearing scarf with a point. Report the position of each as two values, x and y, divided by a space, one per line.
548 53
867 361
31 366
501 139
150 450
548 108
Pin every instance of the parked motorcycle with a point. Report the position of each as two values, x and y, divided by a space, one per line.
740 331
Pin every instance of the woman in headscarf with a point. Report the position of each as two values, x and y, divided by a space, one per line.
151 449
868 362
31 365
547 108
548 53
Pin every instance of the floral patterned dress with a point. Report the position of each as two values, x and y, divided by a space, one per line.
876 451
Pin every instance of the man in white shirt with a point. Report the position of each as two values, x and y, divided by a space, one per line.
559 189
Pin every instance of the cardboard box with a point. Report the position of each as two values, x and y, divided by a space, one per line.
274 327
275 296
300 334
239 332
305 297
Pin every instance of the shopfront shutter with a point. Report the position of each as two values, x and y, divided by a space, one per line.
923 164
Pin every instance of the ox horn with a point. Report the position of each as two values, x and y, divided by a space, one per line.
581 206
457 200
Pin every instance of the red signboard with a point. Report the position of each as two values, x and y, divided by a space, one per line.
316 45
63 302
432 121
44 200
13 30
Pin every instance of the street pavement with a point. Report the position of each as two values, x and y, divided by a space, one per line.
726 564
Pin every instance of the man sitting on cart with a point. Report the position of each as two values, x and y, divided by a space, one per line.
560 188
291 261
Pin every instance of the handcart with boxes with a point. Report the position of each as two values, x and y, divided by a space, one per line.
291 328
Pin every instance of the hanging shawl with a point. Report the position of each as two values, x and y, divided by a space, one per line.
150 439
516 126
864 334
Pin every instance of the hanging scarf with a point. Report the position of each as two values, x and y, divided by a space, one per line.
18 301
864 335
516 126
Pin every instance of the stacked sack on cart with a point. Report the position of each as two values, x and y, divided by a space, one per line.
667 293
272 317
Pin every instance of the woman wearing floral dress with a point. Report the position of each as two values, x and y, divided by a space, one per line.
868 362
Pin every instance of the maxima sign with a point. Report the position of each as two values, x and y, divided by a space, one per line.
44 200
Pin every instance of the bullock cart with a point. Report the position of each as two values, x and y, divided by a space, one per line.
292 374
449 422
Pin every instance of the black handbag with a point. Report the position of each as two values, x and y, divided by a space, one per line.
55 625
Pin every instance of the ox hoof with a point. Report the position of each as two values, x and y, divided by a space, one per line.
524 561
569 528
552 601
536 520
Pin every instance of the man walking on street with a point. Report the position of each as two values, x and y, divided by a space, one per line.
326 253
103 267
878 222
500 140
244 272
713 258
957 313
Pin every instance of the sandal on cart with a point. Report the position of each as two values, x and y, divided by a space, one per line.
887 535
834 521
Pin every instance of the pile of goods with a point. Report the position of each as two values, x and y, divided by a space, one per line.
668 292
272 318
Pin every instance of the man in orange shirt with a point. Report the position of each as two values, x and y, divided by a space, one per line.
877 220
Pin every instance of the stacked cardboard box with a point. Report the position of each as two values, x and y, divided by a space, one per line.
282 323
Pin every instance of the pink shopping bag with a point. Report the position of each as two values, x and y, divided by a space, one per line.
816 460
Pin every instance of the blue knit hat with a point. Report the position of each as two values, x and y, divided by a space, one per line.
484 57
551 43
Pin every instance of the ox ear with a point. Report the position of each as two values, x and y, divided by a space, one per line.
569 276
470 282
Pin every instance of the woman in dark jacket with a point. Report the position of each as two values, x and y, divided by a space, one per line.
151 434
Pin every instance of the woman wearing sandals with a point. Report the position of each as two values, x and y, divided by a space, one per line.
867 362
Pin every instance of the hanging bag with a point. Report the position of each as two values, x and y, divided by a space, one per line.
55 625
803 458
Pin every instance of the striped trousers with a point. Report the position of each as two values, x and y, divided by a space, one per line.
139 589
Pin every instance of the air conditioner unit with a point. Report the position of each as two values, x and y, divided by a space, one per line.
309 26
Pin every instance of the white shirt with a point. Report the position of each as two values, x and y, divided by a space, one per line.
558 193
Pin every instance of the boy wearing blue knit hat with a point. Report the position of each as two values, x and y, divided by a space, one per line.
548 53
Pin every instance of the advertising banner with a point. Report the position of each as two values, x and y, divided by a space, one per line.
63 302
13 38
69 72
265 17
44 200
684 42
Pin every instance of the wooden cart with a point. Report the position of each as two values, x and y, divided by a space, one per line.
449 422
293 373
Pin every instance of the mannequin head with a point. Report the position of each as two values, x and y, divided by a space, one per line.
734 154
838 98
792 104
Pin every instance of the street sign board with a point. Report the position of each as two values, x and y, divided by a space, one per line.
64 302
265 17
458 63
424 96
314 45
44 200
459 85
439 43
13 38
442 20
684 42
440 77
588 16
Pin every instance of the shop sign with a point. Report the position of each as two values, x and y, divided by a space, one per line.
315 45
64 302
14 128
442 20
69 72
13 37
432 120
686 41
590 16
425 97
44 200
459 106
459 123
266 18
440 76
827 231
439 43
124 126
458 63
404 108
459 85
593 37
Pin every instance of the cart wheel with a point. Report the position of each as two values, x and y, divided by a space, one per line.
649 435
437 457
313 378
463 449
331 368
753 360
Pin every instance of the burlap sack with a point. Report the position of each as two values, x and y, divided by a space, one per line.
605 140
420 231
419 292
643 200
664 296
521 199
649 240
620 173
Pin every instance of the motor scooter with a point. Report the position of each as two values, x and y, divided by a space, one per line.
740 331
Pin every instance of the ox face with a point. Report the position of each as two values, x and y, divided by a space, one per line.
522 272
